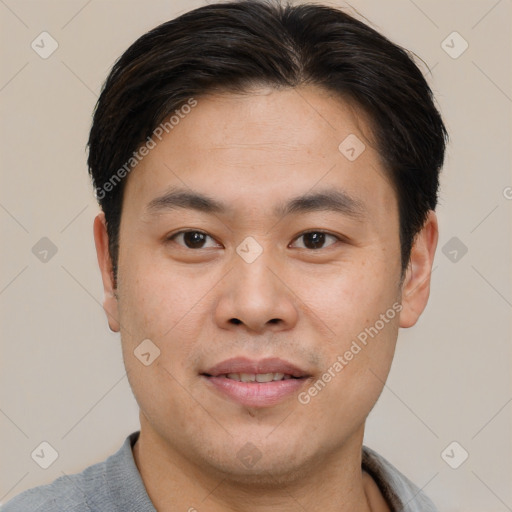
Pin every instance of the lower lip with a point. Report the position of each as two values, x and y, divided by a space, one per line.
257 394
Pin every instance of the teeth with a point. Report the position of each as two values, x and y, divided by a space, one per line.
264 377
257 377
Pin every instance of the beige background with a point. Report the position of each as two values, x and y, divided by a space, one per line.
62 377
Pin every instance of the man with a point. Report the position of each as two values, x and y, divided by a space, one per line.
302 150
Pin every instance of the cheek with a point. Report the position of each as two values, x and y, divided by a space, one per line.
350 298
155 297
166 306
360 308
352 381
163 399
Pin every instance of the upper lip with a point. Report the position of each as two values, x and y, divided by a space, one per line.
246 365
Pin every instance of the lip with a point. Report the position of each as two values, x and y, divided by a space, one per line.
246 365
256 394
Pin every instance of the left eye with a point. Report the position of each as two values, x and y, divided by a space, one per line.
315 239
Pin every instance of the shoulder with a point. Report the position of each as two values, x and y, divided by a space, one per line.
88 491
69 492
398 490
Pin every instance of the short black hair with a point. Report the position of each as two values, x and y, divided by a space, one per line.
235 46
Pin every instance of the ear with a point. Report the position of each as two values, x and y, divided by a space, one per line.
416 286
107 274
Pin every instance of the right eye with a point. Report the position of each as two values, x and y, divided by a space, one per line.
191 239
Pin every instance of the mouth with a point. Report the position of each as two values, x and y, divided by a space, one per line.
256 377
252 383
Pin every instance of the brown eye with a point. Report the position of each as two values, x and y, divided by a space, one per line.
191 239
315 239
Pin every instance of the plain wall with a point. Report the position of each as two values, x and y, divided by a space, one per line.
62 376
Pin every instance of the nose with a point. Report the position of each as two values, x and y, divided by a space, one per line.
257 295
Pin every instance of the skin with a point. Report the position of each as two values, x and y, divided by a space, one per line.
302 304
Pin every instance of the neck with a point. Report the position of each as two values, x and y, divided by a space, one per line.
174 482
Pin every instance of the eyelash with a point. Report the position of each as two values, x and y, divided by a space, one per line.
338 238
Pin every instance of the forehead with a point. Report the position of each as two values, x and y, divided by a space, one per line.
263 144
278 120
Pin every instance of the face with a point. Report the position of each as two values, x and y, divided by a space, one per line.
272 304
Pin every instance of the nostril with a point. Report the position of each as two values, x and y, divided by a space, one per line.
235 321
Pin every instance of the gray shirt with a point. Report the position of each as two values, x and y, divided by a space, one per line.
115 485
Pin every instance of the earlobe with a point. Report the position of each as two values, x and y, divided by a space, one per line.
416 286
110 304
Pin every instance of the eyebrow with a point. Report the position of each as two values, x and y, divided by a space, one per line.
324 200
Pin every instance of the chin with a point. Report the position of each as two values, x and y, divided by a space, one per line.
262 463
269 475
